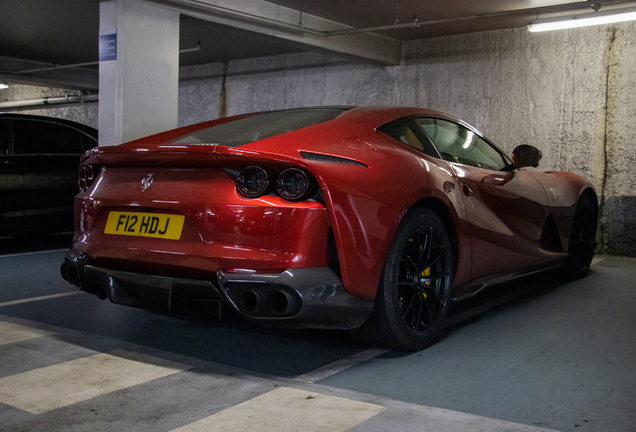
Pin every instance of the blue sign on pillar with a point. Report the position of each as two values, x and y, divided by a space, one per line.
108 45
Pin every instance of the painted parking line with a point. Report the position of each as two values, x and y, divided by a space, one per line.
46 297
10 332
33 253
340 365
285 410
51 387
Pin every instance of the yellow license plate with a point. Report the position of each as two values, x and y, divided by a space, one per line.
155 225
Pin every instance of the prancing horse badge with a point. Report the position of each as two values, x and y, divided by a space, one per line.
145 183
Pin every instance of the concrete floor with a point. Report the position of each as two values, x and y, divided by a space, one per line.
556 354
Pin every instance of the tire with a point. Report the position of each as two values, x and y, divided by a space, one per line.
414 292
582 239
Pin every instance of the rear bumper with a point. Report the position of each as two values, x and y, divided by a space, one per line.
299 297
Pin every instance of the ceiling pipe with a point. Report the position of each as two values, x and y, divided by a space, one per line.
93 63
413 24
48 68
51 100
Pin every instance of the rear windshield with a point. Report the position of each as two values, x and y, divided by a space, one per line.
260 126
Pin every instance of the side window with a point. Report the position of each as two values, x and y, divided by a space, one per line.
40 137
409 133
88 142
456 143
5 136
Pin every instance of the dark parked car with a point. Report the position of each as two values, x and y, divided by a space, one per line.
38 172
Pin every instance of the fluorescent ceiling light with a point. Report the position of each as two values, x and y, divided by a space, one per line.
584 20
4 85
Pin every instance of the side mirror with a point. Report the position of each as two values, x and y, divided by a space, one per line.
525 156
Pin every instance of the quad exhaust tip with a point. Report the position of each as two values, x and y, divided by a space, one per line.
69 273
283 302
254 301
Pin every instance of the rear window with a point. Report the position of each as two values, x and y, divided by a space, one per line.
260 126
88 142
42 137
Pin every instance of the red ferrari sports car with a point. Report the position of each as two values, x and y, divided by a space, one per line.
369 219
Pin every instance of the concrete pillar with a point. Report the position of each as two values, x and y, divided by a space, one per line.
138 70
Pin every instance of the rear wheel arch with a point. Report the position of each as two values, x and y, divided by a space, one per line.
446 216
338 258
410 308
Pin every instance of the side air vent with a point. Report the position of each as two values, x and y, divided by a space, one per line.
326 158
550 239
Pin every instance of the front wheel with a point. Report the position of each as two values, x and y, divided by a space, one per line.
582 239
414 292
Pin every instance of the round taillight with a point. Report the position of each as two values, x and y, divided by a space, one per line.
90 176
253 182
294 184
87 176
81 182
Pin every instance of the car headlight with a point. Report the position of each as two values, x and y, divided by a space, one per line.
253 182
294 184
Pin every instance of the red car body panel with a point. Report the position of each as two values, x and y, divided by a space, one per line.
222 230
495 219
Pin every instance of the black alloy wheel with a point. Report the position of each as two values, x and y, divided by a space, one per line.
414 293
421 280
582 239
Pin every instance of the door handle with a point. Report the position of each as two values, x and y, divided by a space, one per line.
8 162
467 190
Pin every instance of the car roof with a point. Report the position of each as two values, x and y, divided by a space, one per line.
389 113
79 126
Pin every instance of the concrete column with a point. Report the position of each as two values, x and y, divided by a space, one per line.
138 70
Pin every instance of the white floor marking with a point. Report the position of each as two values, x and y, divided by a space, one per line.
51 387
340 365
286 410
10 332
33 253
46 297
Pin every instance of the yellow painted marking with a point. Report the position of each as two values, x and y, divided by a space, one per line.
51 387
10 332
285 410
157 225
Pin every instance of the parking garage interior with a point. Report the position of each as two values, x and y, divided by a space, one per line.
541 353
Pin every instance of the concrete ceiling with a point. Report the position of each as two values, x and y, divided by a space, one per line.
482 14
42 33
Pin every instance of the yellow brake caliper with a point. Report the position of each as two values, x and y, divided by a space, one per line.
426 272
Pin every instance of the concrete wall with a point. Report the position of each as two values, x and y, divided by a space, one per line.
550 90
85 113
